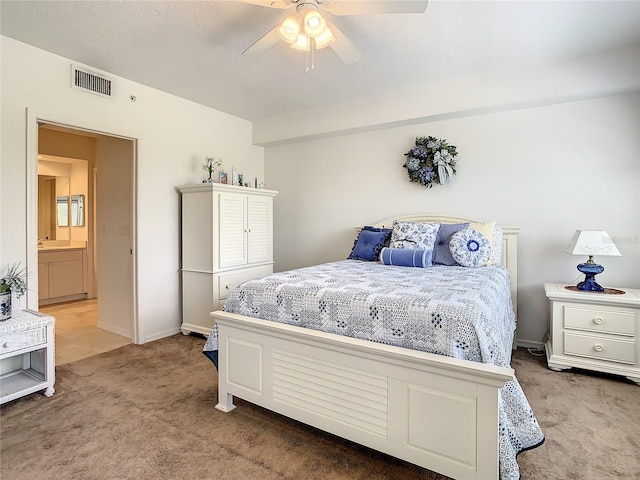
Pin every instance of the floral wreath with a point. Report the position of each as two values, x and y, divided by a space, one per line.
431 161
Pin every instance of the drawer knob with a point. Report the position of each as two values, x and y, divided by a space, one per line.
227 286
598 348
598 321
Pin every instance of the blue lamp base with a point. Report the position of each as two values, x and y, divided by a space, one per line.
589 283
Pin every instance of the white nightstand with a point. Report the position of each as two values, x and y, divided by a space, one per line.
26 355
594 331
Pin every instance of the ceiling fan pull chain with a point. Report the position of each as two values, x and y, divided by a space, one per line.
309 53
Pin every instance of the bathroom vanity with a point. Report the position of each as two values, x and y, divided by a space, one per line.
61 273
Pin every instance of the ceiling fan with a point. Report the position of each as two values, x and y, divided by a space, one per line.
307 29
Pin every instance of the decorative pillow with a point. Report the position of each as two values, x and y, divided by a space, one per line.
369 242
441 252
414 235
406 257
470 248
486 229
496 246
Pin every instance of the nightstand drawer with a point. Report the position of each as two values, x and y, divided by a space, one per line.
599 320
24 339
601 348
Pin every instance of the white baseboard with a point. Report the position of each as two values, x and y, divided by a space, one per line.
529 343
159 335
123 332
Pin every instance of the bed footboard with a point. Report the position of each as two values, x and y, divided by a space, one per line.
437 412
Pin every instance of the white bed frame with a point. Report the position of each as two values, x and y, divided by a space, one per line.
437 412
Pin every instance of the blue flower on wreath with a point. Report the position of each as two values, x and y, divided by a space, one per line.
419 152
413 164
426 175
430 161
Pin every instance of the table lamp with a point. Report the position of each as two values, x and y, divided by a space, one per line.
590 243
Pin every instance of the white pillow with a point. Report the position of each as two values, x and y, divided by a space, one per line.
487 229
470 248
496 246
414 235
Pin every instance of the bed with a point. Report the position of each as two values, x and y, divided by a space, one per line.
450 404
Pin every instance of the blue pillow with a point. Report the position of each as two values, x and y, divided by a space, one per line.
406 257
441 251
470 248
369 242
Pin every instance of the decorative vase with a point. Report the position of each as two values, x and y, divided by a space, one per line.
5 306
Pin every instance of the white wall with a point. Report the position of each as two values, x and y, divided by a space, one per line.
606 73
174 137
550 151
550 168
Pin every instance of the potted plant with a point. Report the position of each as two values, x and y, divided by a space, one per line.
210 166
15 280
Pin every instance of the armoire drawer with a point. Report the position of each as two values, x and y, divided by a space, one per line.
227 282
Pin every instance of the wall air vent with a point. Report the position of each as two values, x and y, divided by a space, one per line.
91 82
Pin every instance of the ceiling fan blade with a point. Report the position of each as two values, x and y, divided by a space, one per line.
343 47
281 4
374 7
264 43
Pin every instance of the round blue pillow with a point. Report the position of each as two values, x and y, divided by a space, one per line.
470 248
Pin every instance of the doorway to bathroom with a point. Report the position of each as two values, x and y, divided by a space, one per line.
97 219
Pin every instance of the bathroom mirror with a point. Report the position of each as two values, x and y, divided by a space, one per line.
77 210
62 211
62 199
53 207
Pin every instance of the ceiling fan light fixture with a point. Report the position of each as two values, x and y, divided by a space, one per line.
325 39
290 29
302 43
314 24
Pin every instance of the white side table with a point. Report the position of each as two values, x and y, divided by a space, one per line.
594 331
27 362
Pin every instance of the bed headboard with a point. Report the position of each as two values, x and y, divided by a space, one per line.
509 243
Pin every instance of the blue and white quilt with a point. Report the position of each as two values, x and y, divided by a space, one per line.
454 311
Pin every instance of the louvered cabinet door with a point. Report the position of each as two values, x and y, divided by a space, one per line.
233 226
259 231
227 239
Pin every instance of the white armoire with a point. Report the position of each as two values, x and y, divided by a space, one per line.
227 239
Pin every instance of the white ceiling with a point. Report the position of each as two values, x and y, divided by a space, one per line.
193 49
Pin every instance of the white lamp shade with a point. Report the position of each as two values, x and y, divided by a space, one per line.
592 242
302 43
289 29
314 24
325 39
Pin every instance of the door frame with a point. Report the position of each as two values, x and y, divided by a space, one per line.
33 119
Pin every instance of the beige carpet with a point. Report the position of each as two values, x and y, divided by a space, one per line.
147 412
